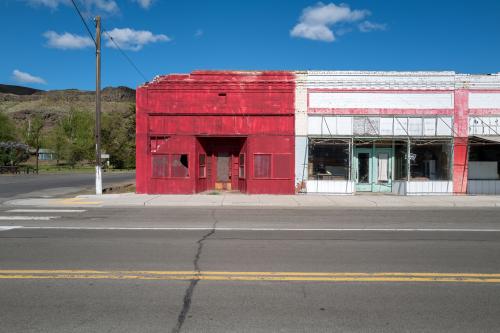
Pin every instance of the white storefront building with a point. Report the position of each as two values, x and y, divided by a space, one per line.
409 133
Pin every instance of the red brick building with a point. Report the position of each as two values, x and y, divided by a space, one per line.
213 130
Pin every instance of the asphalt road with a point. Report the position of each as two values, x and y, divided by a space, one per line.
148 270
53 185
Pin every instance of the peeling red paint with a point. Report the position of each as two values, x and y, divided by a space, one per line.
214 113
461 135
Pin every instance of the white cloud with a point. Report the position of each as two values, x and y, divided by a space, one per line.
145 3
47 3
67 41
314 32
89 6
368 26
24 77
130 39
317 22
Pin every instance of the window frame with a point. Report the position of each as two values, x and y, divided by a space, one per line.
242 166
169 157
204 166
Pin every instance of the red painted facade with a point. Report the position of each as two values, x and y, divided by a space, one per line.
216 130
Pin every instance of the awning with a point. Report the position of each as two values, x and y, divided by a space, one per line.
487 138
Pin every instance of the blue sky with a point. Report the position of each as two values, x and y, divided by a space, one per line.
166 36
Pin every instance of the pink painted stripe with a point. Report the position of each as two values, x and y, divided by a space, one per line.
419 112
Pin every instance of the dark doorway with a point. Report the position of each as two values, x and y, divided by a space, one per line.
223 162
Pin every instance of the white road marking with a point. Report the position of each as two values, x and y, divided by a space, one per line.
9 227
264 229
28 218
46 211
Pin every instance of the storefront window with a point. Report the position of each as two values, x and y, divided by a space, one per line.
484 161
430 161
328 161
401 161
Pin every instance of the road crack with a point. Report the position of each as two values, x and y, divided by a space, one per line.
188 294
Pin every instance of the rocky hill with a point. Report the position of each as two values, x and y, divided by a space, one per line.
20 102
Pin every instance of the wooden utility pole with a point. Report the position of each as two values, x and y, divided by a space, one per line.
98 171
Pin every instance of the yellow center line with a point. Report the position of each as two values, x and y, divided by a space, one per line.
257 273
254 276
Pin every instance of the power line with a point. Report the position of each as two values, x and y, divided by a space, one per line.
112 40
125 55
83 20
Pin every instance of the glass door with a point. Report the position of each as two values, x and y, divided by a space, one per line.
382 169
373 169
364 172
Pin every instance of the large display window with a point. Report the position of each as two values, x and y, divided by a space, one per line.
430 160
328 160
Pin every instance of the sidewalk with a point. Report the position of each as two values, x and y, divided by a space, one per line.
242 200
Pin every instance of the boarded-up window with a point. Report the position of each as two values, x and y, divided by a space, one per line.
179 166
262 165
202 166
160 166
241 173
281 166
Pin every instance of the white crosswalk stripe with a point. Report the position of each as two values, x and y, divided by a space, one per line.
28 218
9 227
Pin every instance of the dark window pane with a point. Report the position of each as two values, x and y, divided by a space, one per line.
484 161
202 167
401 161
364 168
242 166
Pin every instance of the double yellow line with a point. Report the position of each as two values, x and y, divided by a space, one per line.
253 276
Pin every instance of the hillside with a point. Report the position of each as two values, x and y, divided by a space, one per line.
20 102
17 90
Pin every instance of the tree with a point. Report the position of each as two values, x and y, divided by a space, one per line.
13 153
58 143
118 137
7 129
33 134
75 141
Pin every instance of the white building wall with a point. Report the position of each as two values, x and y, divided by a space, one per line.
378 100
300 103
301 171
481 100
381 80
